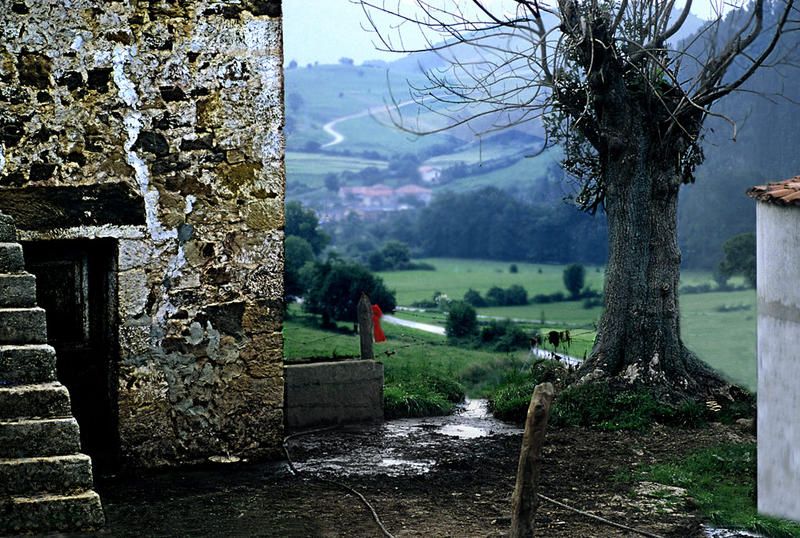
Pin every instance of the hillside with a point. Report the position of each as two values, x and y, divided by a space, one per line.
372 152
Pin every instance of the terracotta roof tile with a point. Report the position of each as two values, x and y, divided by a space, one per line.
778 192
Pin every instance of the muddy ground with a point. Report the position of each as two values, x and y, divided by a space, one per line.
430 484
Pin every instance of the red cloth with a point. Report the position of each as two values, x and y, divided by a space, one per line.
376 323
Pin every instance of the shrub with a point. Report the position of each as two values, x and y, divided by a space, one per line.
513 268
496 296
516 295
333 290
474 298
462 321
574 275
541 298
510 400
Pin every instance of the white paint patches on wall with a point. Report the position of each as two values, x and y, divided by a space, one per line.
133 126
190 200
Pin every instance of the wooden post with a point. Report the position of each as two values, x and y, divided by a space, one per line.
525 501
365 328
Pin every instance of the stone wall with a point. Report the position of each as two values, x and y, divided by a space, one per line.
159 124
778 273
327 393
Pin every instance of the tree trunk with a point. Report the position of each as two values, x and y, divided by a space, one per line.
638 338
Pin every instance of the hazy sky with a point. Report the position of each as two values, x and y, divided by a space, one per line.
326 30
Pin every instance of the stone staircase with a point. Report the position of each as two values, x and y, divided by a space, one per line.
45 483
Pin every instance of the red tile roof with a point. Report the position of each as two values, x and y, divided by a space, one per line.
779 192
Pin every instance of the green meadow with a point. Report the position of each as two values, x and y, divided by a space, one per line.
407 354
719 326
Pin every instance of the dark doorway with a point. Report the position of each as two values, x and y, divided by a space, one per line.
76 284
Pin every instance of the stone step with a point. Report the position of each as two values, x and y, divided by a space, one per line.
8 233
39 437
43 400
55 513
17 290
23 326
51 474
11 260
32 363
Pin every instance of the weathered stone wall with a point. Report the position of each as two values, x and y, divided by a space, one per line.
159 123
778 272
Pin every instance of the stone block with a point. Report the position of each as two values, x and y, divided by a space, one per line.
23 326
28 363
49 474
333 393
39 400
11 260
49 513
32 438
8 233
17 290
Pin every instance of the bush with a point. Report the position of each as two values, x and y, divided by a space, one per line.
474 298
574 276
541 298
333 290
516 295
504 336
510 400
462 321
513 296
496 296
513 268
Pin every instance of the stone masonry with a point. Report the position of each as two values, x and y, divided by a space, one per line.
158 124
45 483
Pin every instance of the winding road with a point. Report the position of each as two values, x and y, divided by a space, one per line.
338 137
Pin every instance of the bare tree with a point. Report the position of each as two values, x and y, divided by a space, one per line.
627 105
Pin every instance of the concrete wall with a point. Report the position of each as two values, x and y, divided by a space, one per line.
330 393
778 254
159 123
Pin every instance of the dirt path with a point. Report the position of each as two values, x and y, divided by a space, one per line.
338 137
464 490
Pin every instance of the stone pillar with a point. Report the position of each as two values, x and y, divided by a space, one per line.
160 123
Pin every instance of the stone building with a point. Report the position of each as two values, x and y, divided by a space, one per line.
141 156
778 284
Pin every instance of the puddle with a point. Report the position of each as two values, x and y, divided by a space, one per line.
711 532
404 447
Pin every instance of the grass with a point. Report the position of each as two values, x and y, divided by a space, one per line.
319 164
724 339
455 276
721 480
407 355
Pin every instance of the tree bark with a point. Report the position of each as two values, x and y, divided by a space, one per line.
638 338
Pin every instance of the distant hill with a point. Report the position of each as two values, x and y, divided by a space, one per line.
373 151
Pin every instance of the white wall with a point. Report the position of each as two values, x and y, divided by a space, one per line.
778 268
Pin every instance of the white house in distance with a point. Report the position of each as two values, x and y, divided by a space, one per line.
429 174
778 284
